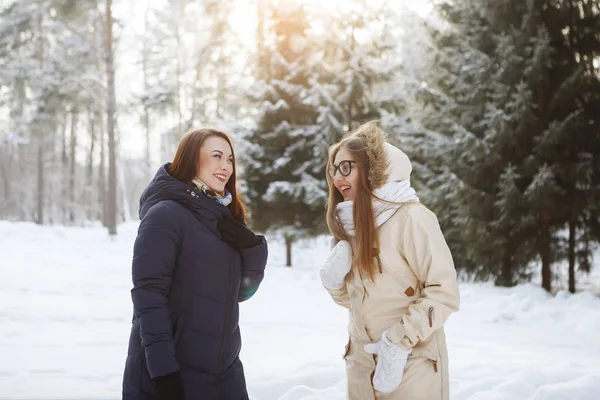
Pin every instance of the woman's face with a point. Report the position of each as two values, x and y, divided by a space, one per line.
216 163
344 164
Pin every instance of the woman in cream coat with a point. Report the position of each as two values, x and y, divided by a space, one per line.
392 269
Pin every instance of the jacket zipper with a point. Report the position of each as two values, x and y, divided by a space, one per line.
378 258
430 314
224 335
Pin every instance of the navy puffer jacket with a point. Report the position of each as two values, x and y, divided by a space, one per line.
187 283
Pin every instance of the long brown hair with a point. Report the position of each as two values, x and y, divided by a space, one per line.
365 244
185 165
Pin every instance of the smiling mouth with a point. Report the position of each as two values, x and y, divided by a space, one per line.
222 178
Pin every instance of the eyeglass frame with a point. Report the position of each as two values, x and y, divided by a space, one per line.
337 168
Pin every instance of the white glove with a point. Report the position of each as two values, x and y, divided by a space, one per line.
391 360
337 266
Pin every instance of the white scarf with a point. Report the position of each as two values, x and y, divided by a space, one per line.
396 192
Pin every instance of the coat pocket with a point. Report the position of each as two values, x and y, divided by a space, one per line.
422 379
427 352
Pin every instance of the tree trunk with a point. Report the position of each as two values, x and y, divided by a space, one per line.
350 116
89 192
146 88
147 127
4 165
64 167
178 77
40 182
64 158
506 278
102 170
111 220
23 153
220 87
219 96
545 252
572 232
40 155
288 250
126 213
262 67
596 170
90 168
101 131
72 165
545 238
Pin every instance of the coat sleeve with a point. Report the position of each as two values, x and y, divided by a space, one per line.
154 255
340 296
424 247
254 260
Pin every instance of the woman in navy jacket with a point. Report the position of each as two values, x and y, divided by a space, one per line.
194 260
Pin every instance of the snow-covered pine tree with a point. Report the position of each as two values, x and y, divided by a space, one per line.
359 45
490 91
461 133
286 152
445 77
417 116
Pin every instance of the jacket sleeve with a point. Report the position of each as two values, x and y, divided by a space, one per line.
425 249
340 296
254 260
154 255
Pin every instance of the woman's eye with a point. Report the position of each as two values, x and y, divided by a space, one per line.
217 156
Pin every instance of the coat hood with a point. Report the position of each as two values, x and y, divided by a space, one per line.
388 163
399 167
166 187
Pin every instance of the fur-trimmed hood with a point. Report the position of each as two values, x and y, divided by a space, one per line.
388 163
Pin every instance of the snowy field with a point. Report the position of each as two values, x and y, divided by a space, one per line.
65 317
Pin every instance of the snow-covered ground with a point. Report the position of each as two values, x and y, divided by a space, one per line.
65 316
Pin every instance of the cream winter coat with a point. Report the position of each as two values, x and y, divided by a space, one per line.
413 297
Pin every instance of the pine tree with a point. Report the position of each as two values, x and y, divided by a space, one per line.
498 99
418 118
445 137
571 140
359 46
284 172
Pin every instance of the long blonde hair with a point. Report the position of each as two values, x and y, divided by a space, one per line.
365 244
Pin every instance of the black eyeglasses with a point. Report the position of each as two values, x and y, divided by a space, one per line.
345 168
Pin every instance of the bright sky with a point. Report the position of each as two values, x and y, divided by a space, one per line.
245 17
129 78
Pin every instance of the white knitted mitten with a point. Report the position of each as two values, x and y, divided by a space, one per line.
337 266
391 360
